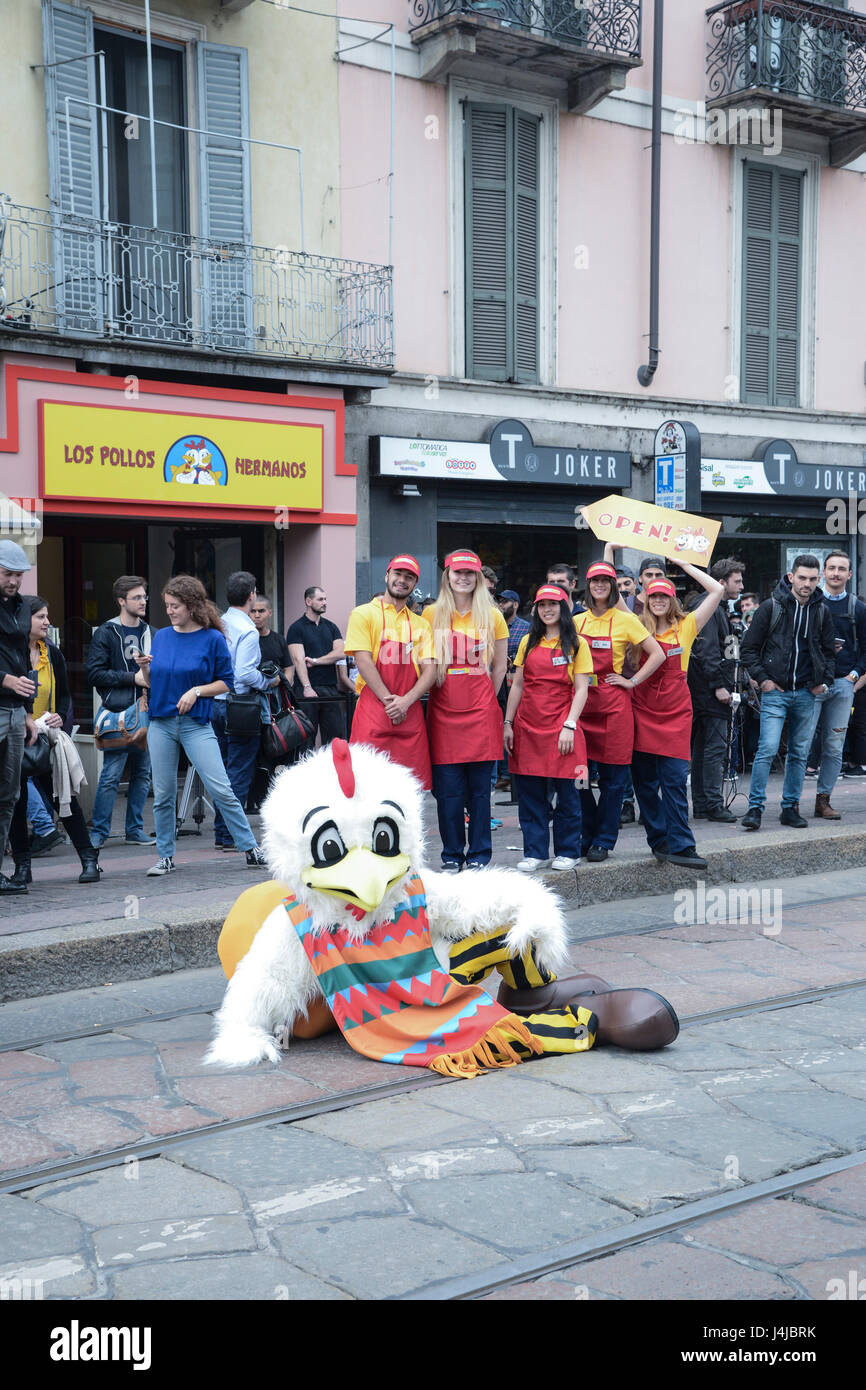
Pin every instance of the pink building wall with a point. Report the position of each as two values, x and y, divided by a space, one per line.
603 205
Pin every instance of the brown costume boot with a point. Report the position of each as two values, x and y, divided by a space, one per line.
638 1019
823 809
557 995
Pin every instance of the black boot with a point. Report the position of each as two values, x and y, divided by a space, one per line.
90 866
22 875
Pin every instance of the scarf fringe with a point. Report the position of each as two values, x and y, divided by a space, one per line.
493 1049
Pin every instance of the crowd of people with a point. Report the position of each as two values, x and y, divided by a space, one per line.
646 689
639 693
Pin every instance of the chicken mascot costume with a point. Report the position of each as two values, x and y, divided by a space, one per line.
356 933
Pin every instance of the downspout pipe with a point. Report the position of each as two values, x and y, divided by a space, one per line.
646 373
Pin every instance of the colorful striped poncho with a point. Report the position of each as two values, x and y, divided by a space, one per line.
394 1002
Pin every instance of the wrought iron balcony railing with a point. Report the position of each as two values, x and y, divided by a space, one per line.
608 27
83 277
809 52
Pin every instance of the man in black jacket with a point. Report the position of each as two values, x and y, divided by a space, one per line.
16 690
790 651
711 681
113 670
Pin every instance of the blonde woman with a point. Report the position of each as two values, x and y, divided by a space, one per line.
464 720
662 710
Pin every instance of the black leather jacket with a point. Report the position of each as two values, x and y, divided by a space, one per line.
107 668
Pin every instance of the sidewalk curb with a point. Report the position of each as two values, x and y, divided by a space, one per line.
109 952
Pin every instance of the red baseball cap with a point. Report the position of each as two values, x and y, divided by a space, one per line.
661 586
601 570
405 562
551 591
462 560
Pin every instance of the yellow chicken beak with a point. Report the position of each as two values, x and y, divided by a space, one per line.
361 878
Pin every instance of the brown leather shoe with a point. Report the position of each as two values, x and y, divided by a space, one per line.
823 809
557 995
638 1019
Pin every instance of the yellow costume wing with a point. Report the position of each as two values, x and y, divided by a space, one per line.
236 937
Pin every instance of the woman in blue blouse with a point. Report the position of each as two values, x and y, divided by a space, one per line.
189 663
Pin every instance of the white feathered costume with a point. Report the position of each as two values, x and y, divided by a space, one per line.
318 840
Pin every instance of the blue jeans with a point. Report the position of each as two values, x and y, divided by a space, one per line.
456 785
165 738
801 710
532 812
660 787
239 757
831 723
113 764
37 812
601 820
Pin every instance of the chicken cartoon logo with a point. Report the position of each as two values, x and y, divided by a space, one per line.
689 539
194 461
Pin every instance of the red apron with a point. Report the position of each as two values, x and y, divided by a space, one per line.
662 708
606 721
464 719
405 743
547 695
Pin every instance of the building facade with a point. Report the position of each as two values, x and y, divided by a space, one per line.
520 139
179 331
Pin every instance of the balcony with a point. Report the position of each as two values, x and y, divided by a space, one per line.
586 47
805 60
84 278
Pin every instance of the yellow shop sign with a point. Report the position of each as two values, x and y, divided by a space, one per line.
130 455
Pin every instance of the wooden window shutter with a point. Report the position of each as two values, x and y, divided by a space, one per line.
73 166
501 182
772 239
226 208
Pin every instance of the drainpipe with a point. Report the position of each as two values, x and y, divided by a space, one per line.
646 373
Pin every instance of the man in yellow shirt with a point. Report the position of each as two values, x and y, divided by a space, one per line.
393 650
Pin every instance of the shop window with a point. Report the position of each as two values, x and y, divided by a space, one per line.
772 236
501 164
120 267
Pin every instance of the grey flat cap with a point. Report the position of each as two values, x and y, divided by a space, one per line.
12 557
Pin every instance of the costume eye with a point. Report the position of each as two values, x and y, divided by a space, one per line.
327 846
386 837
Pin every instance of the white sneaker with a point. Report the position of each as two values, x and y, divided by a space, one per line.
162 866
562 861
529 866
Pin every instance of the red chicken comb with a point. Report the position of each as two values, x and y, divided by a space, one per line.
343 763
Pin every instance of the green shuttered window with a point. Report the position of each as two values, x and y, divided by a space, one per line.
502 242
772 238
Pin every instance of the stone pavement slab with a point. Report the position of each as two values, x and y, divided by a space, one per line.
255 1277
166 1240
29 1231
151 1190
746 1148
640 1179
672 1271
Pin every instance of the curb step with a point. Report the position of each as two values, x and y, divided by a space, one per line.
91 955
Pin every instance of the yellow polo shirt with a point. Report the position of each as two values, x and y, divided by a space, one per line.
462 622
377 621
623 629
581 665
683 634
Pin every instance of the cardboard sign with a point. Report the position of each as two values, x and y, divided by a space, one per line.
641 526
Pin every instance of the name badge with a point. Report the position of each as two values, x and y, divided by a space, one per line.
601 644
559 661
409 648
675 651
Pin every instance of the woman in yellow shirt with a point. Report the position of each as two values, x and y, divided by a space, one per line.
662 711
542 734
52 699
607 718
464 720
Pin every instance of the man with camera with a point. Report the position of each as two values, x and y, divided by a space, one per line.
711 678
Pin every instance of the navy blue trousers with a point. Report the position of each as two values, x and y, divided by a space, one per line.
532 811
459 785
660 787
601 819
